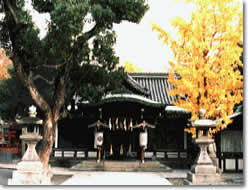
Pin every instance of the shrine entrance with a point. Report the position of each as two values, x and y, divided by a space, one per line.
124 134
121 144
113 130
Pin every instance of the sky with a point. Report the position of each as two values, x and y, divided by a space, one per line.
137 42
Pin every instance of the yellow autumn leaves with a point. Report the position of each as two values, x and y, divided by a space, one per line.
5 63
207 59
130 67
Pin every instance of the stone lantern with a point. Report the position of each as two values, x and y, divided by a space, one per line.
29 170
203 171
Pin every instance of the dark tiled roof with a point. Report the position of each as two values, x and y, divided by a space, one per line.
137 86
157 86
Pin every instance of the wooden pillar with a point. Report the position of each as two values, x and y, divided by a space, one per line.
185 141
130 148
236 164
111 149
23 143
142 155
121 149
56 136
99 154
86 154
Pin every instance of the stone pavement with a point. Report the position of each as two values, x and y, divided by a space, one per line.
65 176
116 178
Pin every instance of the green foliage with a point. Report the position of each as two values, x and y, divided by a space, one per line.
114 11
97 82
43 6
93 71
13 97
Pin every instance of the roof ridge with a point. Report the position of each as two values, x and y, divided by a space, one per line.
149 74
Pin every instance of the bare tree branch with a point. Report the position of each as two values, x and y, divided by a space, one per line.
60 89
86 36
36 77
28 83
51 66
7 3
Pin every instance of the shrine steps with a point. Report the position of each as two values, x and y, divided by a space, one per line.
121 166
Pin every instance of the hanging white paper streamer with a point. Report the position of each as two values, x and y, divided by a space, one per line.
110 124
131 124
125 124
116 122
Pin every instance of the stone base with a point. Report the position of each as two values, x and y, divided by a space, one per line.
29 166
203 174
121 166
29 173
203 169
203 179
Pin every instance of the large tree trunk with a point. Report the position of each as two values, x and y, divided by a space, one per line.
47 142
51 118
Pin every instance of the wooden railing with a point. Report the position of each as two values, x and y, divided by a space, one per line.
70 153
166 155
79 153
170 154
224 156
174 158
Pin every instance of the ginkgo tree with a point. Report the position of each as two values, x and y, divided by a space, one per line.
131 67
205 72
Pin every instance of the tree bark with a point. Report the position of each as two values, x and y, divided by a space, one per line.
51 118
47 142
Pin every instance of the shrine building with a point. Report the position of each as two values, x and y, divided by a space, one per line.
138 123
141 123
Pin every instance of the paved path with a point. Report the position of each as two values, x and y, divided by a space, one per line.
116 178
64 176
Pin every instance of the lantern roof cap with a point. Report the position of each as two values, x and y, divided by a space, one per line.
204 123
32 119
29 120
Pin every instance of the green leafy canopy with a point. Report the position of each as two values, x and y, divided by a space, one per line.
93 66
